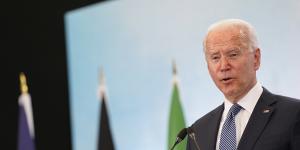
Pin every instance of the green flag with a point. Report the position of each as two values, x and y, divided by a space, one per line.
176 120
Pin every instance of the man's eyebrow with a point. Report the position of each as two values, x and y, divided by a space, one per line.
234 50
213 53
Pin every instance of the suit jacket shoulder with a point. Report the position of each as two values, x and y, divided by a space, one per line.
272 124
207 117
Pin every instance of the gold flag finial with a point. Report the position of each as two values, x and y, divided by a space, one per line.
23 83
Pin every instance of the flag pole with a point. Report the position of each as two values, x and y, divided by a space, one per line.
175 79
174 67
102 89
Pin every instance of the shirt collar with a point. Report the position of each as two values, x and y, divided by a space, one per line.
249 101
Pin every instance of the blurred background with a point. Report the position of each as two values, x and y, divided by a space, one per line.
61 46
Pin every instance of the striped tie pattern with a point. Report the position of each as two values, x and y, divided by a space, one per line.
228 134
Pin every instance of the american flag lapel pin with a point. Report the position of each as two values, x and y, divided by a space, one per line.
266 110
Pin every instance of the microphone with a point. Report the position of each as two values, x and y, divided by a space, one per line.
180 136
191 134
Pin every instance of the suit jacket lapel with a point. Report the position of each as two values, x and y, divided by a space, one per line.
258 120
212 130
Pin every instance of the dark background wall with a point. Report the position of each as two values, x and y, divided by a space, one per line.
33 42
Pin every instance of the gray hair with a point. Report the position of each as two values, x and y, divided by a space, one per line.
247 31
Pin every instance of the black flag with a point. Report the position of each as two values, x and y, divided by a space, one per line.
105 140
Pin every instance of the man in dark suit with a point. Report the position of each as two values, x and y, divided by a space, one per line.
251 118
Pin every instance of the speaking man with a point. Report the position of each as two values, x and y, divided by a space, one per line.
251 117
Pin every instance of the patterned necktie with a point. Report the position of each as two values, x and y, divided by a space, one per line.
228 134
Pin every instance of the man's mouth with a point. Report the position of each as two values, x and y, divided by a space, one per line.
226 80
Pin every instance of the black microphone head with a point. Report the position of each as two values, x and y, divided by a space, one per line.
183 132
180 136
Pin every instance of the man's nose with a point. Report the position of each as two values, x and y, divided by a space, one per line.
225 66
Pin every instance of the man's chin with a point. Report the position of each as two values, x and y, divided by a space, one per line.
229 94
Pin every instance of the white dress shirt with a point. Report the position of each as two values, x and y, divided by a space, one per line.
248 103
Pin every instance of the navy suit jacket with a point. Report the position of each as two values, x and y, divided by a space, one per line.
273 125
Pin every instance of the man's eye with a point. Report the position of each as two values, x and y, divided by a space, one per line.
233 55
215 58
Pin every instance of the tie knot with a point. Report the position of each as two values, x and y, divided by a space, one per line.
235 109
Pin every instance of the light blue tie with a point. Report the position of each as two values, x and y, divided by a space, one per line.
228 134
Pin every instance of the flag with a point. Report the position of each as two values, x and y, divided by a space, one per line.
26 126
176 119
105 140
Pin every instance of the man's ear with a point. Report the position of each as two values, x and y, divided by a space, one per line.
257 58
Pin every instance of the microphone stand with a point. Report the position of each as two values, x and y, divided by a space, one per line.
173 146
193 137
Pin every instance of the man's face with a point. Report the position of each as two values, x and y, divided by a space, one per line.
231 64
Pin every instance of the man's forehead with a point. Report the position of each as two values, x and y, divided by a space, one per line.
223 50
224 44
224 35
224 38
